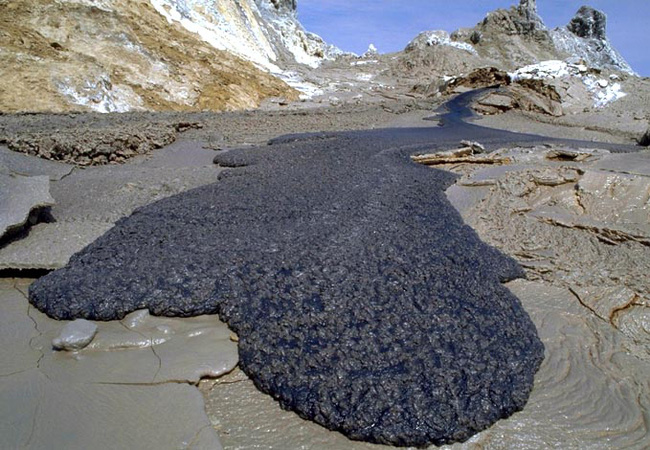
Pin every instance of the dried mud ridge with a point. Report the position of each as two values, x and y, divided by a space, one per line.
88 144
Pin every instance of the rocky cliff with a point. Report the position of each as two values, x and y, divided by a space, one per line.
586 37
515 37
123 55
265 32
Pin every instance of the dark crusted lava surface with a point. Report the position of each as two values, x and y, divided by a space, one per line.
361 299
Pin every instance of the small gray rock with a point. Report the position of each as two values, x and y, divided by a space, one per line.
75 335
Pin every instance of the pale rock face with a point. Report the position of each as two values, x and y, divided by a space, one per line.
265 32
126 55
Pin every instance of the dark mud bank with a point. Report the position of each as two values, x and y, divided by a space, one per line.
361 299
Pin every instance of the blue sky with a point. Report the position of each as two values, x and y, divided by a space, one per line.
391 24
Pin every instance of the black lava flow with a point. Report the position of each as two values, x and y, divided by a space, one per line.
361 299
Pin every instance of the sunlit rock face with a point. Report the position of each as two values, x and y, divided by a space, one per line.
119 55
265 32
517 37
586 37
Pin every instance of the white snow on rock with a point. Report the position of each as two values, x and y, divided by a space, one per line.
100 95
363 63
546 70
438 37
308 90
224 25
371 52
603 91
259 31
254 30
597 52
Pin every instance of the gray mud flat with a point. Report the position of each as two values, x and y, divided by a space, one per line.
361 300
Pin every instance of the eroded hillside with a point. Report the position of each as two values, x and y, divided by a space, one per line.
117 55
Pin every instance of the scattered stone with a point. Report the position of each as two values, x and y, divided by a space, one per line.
75 335
463 155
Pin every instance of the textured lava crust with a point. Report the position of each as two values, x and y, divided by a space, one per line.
361 300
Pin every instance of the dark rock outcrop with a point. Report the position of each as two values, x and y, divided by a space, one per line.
289 5
478 79
586 37
589 23
645 139
360 298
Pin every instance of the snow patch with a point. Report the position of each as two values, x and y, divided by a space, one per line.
546 70
363 63
294 79
598 53
440 37
603 92
101 95
372 51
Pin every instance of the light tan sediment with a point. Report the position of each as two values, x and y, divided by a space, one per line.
131 387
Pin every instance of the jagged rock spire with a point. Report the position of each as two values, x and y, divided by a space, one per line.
589 23
528 8
289 5
528 5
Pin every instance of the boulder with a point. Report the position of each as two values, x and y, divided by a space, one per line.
75 335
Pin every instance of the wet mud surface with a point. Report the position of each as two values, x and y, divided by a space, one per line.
360 298
580 345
